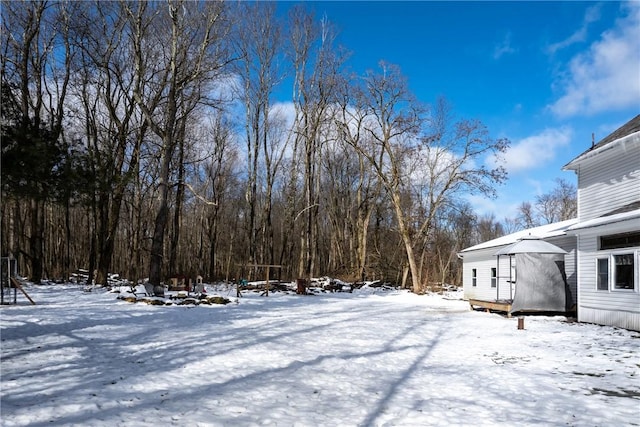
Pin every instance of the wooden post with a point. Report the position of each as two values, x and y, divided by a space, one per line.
268 267
19 286
267 282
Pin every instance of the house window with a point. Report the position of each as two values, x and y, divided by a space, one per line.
617 272
494 278
474 277
623 271
617 241
603 274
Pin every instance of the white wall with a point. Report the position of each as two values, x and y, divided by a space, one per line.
483 261
609 180
613 307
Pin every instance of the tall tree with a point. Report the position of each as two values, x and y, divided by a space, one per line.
450 163
316 66
350 118
423 169
395 120
218 177
35 78
259 42
114 131
179 50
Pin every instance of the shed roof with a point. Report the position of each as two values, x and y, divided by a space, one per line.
530 244
543 232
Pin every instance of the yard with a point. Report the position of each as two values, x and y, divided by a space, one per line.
367 358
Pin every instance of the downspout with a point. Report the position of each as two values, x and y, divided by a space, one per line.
510 280
498 280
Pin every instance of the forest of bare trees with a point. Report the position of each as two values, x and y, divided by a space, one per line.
148 139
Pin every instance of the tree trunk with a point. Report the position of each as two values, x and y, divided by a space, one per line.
36 243
408 244
162 216
177 214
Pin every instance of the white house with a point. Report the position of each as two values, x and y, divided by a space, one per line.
608 229
489 279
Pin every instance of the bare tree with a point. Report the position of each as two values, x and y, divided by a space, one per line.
260 45
488 228
316 66
36 58
559 204
179 50
350 117
451 164
396 119
113 129
526 217
424 174
219 173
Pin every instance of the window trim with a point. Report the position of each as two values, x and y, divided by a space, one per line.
474 277
611 273
494 277
598 274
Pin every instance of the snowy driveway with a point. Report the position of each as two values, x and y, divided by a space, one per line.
361 359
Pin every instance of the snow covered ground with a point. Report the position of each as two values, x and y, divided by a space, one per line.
369 358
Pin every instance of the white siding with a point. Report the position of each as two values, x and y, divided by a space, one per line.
613 308
610 318
609 180
483 261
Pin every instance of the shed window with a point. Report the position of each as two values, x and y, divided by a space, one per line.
474 277
494 278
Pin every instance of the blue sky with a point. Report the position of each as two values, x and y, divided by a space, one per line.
546 75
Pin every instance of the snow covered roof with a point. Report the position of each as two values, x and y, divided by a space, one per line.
531 244
543 232
606 219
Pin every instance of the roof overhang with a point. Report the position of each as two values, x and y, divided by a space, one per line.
547 231
530 245
605 220
574 164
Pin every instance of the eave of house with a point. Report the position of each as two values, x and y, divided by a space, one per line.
543 232
623 142
605 221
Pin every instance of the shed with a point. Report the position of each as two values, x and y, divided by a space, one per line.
489 281
540 279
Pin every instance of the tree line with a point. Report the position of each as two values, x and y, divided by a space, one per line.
146 138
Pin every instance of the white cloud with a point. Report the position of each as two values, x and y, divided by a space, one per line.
535 151
503 207
504 47
591 15
483 205
607 76
285 111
